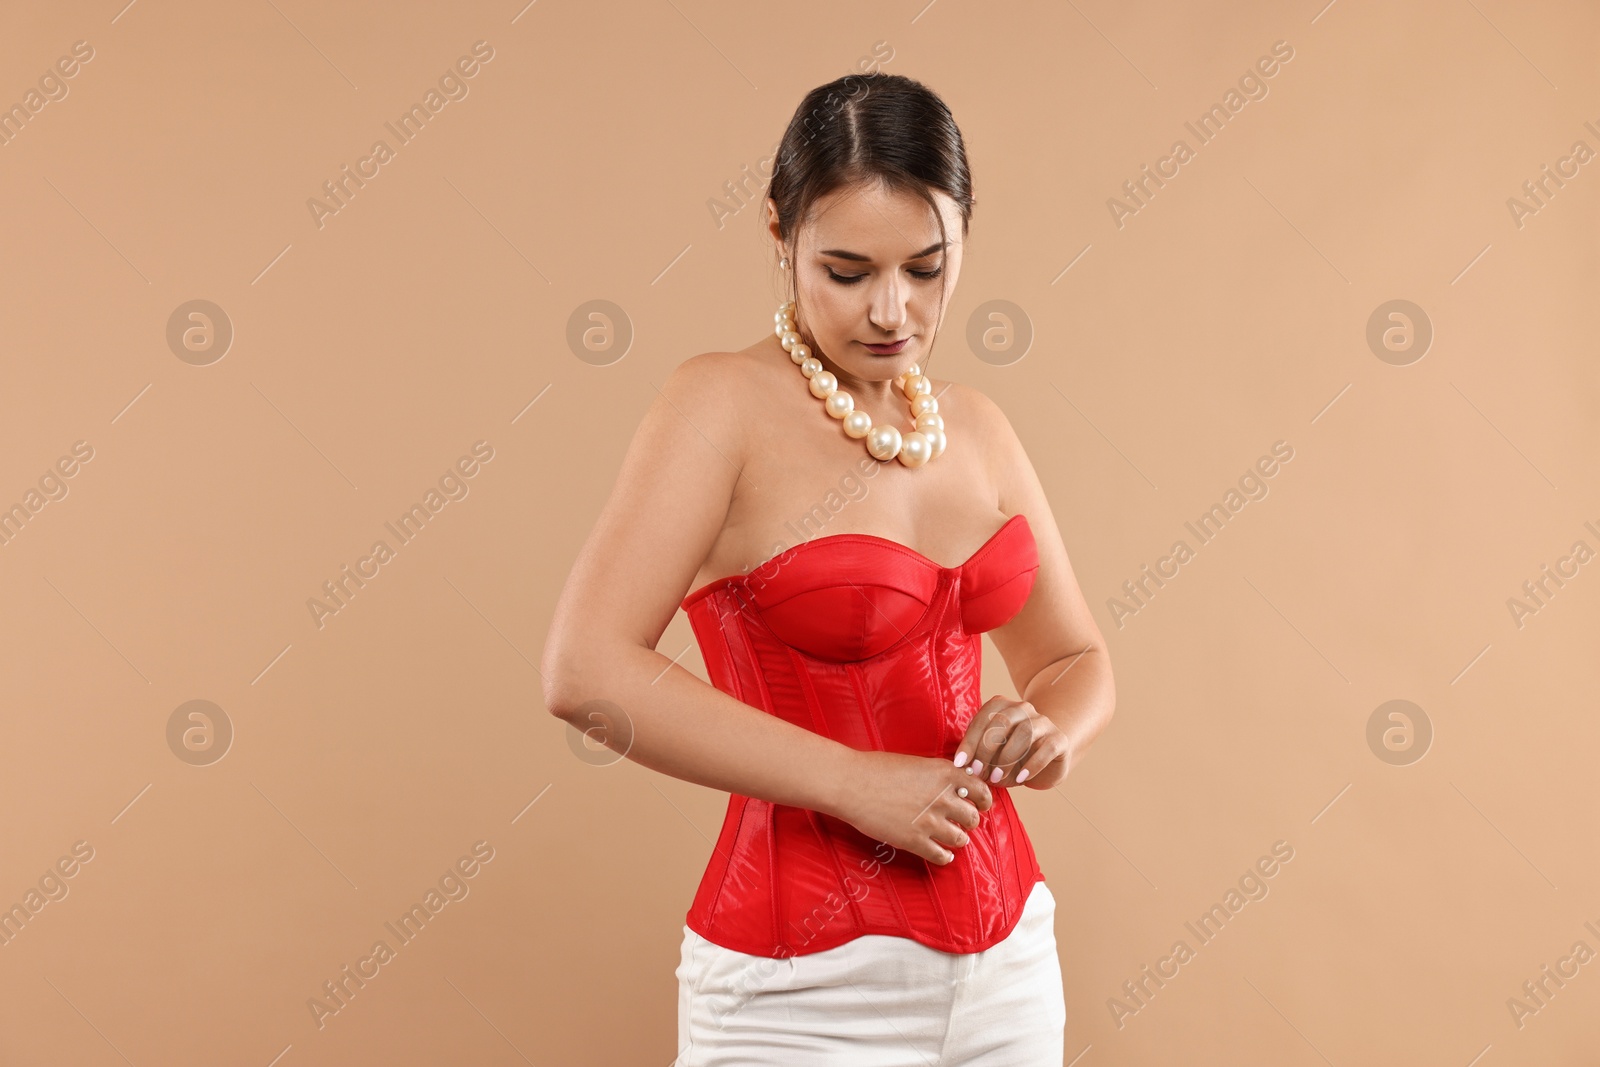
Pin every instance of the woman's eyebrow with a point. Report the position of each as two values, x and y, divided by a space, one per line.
859 258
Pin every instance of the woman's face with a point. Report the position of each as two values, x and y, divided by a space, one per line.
869 269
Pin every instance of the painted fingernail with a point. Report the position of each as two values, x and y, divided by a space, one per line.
994 775
976 768
962 757
1021 775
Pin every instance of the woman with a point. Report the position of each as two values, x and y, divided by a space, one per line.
873 897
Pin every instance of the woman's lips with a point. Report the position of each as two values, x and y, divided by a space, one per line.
887 350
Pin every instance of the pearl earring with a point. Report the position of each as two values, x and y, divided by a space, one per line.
783 263
884 441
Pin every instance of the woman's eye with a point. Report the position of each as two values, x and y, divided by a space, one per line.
851 279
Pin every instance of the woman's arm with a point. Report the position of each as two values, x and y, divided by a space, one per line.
1053 648
664 514
665 511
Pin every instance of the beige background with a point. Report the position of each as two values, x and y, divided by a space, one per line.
370 754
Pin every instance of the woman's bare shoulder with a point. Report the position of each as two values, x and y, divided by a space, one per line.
971 413
716 391
718 372
970 410
718 383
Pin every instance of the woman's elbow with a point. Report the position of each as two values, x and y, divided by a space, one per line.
574 673
561 679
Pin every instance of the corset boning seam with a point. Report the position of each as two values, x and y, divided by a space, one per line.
772 867
853 672
943 598
838 868
737 691
825 839
802 677
975 643
727 862
868 719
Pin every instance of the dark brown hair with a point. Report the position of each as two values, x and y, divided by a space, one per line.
870 127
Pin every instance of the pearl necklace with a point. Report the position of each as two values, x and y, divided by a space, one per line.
884 442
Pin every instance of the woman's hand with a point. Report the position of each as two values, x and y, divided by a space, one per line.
1012 739
911 802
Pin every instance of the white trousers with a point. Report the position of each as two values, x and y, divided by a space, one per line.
877 1001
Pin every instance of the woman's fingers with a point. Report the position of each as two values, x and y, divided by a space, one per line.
964 815
989 732
950 825
1048 752
978 793
949 835
941 841
946 824
976 745
1013 755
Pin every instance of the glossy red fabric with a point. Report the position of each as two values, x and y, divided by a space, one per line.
868 642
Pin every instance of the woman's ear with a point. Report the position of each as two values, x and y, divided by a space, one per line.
772 219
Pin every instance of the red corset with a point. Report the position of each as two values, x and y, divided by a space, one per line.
863 640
